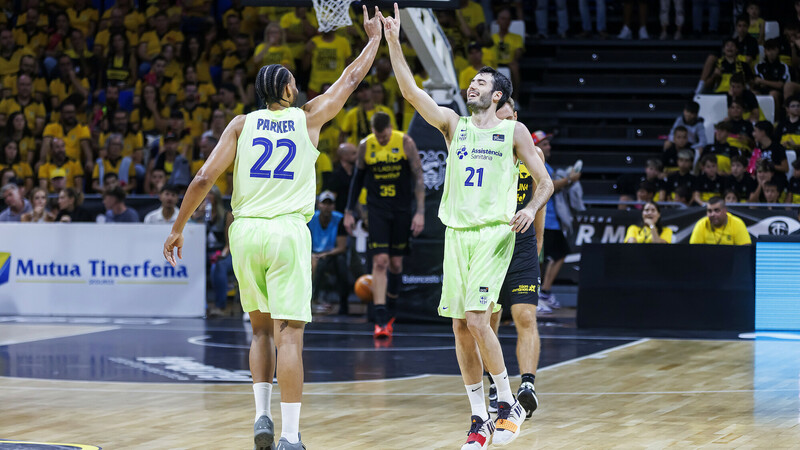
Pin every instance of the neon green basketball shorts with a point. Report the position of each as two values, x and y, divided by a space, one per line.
475 264
272 262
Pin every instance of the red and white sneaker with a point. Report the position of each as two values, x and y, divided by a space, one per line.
479 434
508 422
384 332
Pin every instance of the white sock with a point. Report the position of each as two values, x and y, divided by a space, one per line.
263 394
290 422
503 387
476 400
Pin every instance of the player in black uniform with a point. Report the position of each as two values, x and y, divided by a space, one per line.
520 289
388 165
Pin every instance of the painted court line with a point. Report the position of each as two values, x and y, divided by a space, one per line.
45 332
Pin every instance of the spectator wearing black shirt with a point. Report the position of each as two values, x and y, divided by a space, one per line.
772 75
343 174
747 44
730 196
720 148
741 128
740 182
683 195
765 172
786 42
716 76
787 131
680 141
771 193
708 184
749 102
793 188
681 178
627 185
772 151
70 209
646 192
116 210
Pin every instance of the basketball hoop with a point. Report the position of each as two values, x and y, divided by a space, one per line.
332 14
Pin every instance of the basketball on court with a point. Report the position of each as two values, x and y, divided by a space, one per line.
363 288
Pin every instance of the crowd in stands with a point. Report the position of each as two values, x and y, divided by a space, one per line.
137 95
129 98
747 159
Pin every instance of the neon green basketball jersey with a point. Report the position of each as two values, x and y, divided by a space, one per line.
274 168
480 185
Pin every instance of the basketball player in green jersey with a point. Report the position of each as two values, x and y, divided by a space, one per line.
273 151
478 205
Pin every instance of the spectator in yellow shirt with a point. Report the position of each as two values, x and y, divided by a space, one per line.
10 158
225 181
151 42
60 172
508 47
206 91
650 230
33 111
67 83
195 115
10 54
75 136
300 25
356 124
133 20
473 20
27 66
83 17
719 227
383 75
229 103
18 131
274 49
30 35
326 56
151 117
115 163
242 55
116 24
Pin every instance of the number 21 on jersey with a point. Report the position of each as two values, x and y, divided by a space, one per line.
280 172
471 172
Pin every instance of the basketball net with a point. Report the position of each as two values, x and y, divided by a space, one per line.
332 14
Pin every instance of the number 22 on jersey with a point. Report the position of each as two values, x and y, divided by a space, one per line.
280 172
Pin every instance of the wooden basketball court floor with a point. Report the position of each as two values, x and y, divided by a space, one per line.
152 384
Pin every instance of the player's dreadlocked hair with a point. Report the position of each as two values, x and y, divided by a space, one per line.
271 82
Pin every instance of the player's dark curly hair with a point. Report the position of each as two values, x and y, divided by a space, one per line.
271 82
500 83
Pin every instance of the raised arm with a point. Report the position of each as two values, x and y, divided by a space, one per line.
324 107
526 151
442 118
220 159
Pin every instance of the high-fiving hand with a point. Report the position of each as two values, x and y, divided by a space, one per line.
391 25
372 26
